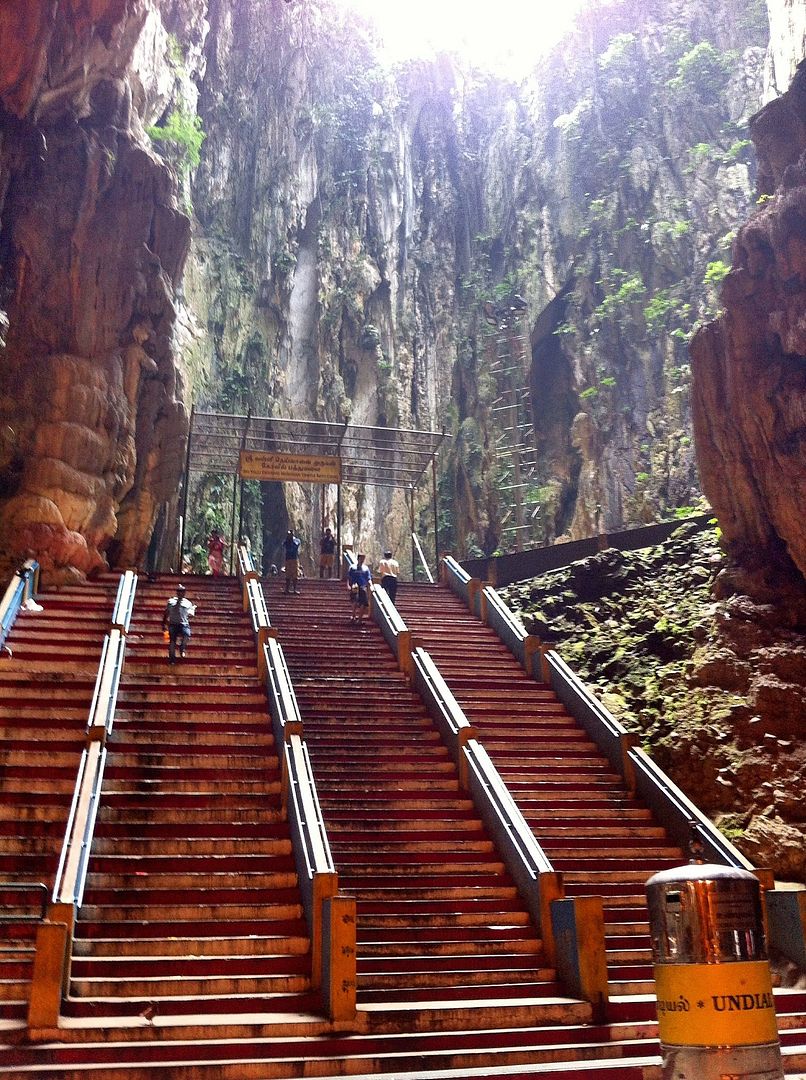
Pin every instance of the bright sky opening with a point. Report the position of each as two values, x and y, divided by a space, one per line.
504 36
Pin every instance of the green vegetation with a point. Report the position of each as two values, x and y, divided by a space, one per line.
630 290
183 132
715 273
702 74
176 54
370 338
738 151
619 54
589 393
673 228
658 310
284 262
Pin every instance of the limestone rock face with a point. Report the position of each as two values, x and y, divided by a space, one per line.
750 366
93 245
359 231
787 43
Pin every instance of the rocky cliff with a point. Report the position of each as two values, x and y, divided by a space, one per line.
92 248
750 365
425 246
714 690
436 247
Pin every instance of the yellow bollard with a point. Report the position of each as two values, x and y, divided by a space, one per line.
716 1015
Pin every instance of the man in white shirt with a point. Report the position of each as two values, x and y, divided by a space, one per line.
389 569
176 620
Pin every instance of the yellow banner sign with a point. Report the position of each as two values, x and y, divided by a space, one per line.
302 468
715 1004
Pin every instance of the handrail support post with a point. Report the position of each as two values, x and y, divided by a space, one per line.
550 887
51 974
339 957
628 740
578 925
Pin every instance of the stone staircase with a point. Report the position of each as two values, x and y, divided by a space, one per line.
443 936
191 957
603 840
598 836
46 689
191 904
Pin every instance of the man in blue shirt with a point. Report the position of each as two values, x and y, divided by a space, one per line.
358 580
291 546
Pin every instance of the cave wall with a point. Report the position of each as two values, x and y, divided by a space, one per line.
355 223
92 244
750 365
352 225
787 44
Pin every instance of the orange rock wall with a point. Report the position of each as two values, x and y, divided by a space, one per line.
749 371
92 245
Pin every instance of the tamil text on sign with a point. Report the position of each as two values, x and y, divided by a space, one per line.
303 468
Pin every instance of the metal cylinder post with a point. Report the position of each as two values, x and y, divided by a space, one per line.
716 1014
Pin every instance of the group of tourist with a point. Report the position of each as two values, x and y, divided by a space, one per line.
179 610
359 576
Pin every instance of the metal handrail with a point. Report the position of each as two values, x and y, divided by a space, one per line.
72 871
467 588
511 819
26 886
678 813
246 564
107 683
537 881
257 606
330 917
416 541
442 705
20 588
124 602
395 632
455 569
380 598
307 810
280 690
687 822
684 819
503 621
599 723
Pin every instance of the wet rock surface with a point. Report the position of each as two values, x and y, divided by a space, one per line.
92 244
749 368
716 688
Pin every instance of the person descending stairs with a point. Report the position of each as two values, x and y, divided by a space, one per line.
191 905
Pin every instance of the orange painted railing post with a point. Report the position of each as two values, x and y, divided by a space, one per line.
339 957
580 942
51 972
627 741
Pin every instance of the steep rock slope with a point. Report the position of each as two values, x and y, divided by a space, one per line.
715 689
750 365
91 250
399 246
